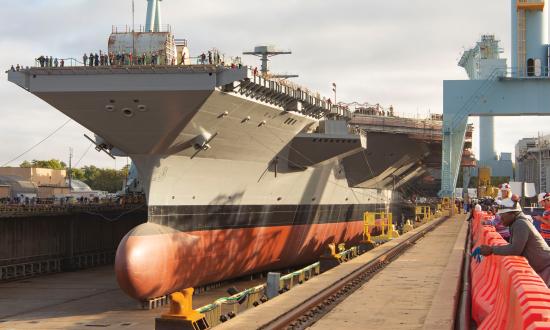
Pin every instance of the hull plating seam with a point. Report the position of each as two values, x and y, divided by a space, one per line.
211 217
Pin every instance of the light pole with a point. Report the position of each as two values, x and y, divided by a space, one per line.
133 32
70 169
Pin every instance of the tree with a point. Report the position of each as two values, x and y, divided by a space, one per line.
53 164
97 178
77 173
104 179
25 164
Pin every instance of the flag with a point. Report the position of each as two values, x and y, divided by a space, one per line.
334 87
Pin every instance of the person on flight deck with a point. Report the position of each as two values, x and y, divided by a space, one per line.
85 59
544 201
91 59
525 240
41 59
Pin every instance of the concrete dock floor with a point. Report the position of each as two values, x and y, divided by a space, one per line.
416 291
82 300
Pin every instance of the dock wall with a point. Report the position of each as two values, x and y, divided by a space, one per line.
32 245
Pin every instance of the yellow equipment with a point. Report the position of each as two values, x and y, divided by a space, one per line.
423 213
484 186
378 227
182 313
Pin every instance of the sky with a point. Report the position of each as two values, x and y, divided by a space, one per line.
389 52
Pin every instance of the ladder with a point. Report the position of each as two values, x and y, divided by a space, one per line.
522 42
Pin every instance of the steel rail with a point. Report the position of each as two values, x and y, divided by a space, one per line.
464 312
311 310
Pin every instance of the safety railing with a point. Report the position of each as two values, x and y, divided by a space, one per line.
226 308
16 210
506 291
378 227
122 58
139 28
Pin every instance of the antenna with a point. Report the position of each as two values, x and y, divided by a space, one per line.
70 169
133 30
265 52
133 16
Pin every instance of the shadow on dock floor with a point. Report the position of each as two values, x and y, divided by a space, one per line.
81 300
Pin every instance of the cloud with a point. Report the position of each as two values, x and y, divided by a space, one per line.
388 52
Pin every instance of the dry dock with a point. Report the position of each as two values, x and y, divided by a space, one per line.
82 300
418 289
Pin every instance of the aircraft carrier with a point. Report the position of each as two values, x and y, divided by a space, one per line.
243 171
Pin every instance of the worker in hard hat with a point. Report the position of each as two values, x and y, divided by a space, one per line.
505 191
544 201
525 240
503 230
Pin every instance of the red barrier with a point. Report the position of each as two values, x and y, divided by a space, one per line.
506 291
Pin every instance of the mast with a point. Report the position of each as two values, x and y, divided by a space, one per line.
153 19
264 53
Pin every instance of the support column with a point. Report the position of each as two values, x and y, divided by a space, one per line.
453 143
158 18
466 175
487 153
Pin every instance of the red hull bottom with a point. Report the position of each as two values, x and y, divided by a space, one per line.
154 260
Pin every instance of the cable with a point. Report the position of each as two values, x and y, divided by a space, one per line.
36 145
84 154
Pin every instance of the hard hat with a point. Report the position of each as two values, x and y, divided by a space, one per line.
505 186
543 196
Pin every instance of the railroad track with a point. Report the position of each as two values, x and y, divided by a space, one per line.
312 310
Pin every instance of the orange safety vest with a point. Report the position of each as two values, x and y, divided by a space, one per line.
544 228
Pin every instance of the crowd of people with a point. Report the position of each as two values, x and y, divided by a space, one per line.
32 200
26 200
50 62
102 58
376 111
125 58
528 235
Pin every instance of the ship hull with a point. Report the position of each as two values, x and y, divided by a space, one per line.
153 260
253 220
